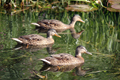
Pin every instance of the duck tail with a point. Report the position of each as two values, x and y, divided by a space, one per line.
16 39
46 61
36 24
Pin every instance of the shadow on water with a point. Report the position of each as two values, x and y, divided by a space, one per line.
72 30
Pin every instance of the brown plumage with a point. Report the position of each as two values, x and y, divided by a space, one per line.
66 59
35 39
56 24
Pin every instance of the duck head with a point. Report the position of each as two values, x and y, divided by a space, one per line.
78 18
81 49
52 32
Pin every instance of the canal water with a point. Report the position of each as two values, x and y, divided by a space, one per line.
101 37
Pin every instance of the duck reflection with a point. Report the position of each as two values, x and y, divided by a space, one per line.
79 71
32 48
43 30
74 34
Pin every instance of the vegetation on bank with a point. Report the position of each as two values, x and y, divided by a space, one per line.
16 6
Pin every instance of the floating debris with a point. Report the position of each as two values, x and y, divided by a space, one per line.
113 1
116 6
80 8
113 10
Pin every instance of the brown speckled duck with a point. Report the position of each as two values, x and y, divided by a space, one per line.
35 39
56 24
66 59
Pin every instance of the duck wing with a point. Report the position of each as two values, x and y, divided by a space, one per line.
47 24
60 59
32 37
62 56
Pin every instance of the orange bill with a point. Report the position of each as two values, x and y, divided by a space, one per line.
82 21
57 35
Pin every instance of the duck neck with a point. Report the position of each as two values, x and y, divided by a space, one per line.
48 35
78 55
72 23
80 58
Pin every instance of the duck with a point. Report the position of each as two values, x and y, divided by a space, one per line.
37 40
56 24
64 59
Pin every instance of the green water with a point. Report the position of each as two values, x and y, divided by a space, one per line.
101 37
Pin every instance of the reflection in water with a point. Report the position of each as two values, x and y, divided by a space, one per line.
79 71
74 34
72 30
101 37
49 48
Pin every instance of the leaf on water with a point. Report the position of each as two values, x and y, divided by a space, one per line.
88 42
81 0
80 8
114 1
116 6
39 75
30 59
113 10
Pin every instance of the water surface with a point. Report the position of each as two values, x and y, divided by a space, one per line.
101 37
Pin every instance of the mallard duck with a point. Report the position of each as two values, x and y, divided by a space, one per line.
66 59
35 39
56 24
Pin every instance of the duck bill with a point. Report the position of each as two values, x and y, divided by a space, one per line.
82 21
89 53
57 35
